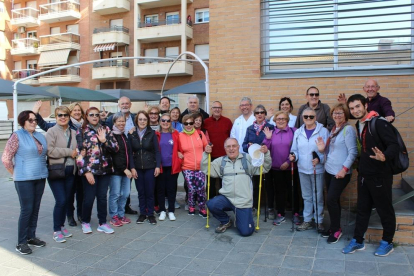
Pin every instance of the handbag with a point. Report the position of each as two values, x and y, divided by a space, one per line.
57 171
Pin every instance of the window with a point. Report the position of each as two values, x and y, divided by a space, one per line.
72 29
335 37
203 51
202 16
17 65
151 20
171 52
31 64
151 53
55 30
32 34
172 18
2 9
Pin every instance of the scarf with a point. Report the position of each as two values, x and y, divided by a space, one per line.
258 127
141 132
334 132
77 124
116 130
189 132
95 128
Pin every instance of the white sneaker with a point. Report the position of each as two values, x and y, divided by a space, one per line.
171 216
177 205
162 215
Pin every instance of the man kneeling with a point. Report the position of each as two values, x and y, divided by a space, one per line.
236 195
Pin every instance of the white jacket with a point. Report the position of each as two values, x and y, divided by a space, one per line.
239 128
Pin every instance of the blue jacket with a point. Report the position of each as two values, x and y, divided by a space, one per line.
251 136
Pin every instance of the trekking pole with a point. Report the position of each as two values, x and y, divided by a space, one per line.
265 189
293 197
208 184
315 156
260 191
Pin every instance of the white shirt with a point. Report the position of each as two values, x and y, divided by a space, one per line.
239 128
292 120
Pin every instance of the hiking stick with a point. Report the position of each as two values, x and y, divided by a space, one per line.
293 197
315 156
260 191
208 185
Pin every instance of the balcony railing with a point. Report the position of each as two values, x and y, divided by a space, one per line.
24 43
61 72
151 60
59 41
158 23
111 29
25 16
67 75
24 73
59 7
111 63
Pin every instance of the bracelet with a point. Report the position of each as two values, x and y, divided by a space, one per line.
345 169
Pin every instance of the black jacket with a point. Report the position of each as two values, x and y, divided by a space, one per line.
123 158
368 166
146 152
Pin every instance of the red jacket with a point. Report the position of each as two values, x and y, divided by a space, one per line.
176 162
218 131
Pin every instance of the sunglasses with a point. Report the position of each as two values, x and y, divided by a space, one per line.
32 121
259 112
165 120
314 94
93 115
308 117
60 115
188 123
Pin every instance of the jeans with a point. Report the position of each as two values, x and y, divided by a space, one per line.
145 185
307 183
30 194
335 188
61 189
119 189
98 190
78 190
244 217
167 181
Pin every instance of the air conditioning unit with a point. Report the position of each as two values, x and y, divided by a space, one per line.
22 30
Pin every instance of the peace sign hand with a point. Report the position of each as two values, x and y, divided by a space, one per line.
378 155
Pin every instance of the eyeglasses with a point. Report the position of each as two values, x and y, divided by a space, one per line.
93 115
216 107
188 123
244 105
314 94
32 121
165 121
60 115
308 117
259 112
154 113
142 119
281 119
338 113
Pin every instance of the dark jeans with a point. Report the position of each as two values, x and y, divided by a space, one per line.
376 191
167 181
279 186
335 188
77 188
30 194
98 190
145 185
244 217
62 190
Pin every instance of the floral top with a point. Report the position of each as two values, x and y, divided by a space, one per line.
97 158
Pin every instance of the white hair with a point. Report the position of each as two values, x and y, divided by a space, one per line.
192 97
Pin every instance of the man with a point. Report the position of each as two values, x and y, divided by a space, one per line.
374 176
164 105
193 106
323 112
242 122
236 194
218 128
376 102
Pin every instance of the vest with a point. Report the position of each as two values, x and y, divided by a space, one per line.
28 164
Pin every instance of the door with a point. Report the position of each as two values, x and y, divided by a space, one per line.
171 52
116 24
151 20
151 53
172 18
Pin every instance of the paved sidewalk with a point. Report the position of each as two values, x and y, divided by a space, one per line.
183 247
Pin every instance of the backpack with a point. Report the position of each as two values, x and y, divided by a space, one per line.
401 162
244 163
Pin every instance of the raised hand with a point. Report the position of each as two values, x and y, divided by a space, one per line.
378 155
37 106
103 114
102 135
270 113
268 133
320 144
342 98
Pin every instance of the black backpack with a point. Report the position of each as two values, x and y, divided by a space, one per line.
401 162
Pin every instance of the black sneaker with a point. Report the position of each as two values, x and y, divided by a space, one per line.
23 249
326 234
36 242
130 211
141 219
152 220
334 237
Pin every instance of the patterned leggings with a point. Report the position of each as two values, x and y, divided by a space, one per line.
196 189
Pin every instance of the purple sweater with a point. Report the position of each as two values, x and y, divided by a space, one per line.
279 146
381 105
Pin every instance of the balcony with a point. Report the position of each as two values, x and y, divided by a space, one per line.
110 70
162 31
24 73
114 34
104 7
59 12
147 4
68 75
25 47
59 41
147 68
26 17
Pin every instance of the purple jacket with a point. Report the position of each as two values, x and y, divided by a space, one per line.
381 105
279 146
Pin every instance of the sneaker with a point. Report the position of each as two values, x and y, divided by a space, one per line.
36 242
115 221
270 214
171 216
152 220
353 246
326 234
384 249
305 226
86 228
191 211
296 219
321 228
141 219
279 219
223 227
65 232
163 215
177 205
334 237
186 207
105 228
23 249
202 213
58 236
125 220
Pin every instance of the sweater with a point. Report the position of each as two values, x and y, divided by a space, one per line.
279 145
192 147
218 131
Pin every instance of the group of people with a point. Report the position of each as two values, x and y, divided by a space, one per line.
315 148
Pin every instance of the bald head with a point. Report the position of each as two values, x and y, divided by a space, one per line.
371 87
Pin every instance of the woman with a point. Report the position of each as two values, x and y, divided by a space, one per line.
199 123
61 148
255 135
340 151
175 117
278 142
124 170
95 145
147 159
28 148
191 147
303 146
154 117
285 104
168 139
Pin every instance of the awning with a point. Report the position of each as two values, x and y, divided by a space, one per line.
104 47
56 57
196 87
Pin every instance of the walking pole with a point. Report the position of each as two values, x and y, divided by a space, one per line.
315 156
260 191
208 185
265 189
293 197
